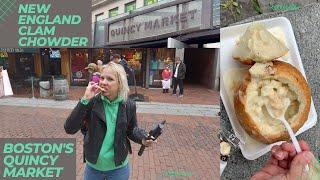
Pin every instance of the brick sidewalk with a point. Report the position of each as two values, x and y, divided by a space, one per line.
189 144
192 95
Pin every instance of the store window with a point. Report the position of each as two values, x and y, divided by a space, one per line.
131 6
160 58
99 54
149 2
136 64
51 62
4 60
99 17
24 65
79 60
113 12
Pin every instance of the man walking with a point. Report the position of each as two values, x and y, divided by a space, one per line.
178 76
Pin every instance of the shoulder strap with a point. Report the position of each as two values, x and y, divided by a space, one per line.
126 106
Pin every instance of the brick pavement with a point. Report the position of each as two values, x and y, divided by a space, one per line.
189 144
142 107
192 95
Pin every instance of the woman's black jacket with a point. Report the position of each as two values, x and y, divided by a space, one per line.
92 116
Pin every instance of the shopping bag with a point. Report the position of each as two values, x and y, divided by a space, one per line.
166 84
6 84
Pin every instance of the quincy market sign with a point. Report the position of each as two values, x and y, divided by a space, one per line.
155 23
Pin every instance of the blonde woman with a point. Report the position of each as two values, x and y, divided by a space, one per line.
111 120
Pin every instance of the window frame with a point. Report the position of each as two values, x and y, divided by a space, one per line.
97 15
154 1
113 9
130 3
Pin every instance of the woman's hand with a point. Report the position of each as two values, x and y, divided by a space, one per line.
149 142
286 164
91 90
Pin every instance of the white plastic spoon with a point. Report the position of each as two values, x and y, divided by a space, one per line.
286 124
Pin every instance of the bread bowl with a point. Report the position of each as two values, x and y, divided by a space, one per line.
257 44
271 82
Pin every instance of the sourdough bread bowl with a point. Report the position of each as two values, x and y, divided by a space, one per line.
272 83
257 44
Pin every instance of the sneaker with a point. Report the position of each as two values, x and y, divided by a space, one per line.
174 94
180 96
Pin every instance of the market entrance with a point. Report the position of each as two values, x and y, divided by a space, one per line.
200 66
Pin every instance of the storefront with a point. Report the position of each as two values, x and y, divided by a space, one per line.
79 59
174 24
99 54
25 64
193 22
46 63
50 62
147 64
160 58
136 60
21 63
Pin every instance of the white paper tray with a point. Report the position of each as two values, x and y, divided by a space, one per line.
250 148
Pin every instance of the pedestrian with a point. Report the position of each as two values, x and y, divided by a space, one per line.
1 83
115 58
179 75
286 163
94 72
166 76
111 121
99 65
123 62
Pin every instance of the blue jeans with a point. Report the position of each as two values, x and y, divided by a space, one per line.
116 174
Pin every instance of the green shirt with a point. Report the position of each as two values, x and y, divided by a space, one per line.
105 160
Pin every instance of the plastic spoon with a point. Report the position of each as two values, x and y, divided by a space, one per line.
286 124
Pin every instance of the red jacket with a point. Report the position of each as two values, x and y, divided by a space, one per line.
166 74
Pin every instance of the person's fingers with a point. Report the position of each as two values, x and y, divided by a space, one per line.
91 83
148 143
298 164
278 153
274 170
275 148
289 147
281 155
272 161
260 176
284 164
304 145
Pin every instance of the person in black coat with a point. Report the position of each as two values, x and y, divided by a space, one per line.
179 74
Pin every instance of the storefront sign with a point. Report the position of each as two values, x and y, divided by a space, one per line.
163 21
58 23
19 50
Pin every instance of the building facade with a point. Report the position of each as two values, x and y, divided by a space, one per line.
150 23
181 24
